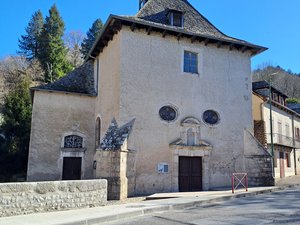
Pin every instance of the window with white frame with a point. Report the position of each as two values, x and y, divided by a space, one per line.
190 62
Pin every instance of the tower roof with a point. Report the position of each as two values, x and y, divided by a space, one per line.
157 11
154 16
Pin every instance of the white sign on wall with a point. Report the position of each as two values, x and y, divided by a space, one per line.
163 168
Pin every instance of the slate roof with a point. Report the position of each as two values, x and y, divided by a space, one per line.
80 81
153 16
157 11
294 106
258 85
115 136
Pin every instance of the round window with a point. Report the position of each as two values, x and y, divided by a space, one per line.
168 113
211 117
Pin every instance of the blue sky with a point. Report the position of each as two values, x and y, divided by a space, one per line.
271 23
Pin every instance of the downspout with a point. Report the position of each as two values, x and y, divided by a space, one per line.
265 144
97 85
294 144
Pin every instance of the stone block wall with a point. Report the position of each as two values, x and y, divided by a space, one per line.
259 171
258 162
259 132
112 166
36 197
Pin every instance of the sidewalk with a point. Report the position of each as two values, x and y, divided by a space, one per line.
292 180
116 212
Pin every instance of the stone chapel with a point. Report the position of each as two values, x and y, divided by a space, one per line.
163 103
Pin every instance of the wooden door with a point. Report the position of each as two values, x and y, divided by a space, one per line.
71 168
281 164
190 174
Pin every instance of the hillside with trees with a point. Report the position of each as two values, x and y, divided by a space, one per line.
284 80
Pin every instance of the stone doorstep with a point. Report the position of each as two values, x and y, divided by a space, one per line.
149 207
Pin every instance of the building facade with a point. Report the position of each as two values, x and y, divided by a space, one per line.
285 128
165 105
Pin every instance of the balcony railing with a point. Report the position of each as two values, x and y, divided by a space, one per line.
283 140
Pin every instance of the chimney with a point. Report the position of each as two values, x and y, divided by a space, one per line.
142 3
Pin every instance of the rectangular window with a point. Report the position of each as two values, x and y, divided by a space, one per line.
190 62
176 18
287 130
297 133
288 159
275 158
275 97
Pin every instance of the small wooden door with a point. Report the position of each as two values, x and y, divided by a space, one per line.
71 168
281 164
190 174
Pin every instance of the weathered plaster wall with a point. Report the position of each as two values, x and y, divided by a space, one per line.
151 77
26 198
298 162
257 104
108 100
297 125
281 136
55 115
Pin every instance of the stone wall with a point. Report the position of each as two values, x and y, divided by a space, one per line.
259 170
259 132
112 165
36 197
258 162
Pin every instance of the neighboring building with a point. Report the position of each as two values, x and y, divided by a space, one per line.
294 106
285 123
181 90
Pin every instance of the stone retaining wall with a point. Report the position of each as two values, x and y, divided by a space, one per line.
35 197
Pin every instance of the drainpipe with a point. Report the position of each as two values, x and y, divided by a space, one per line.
271 126
262 105
98 70
294 144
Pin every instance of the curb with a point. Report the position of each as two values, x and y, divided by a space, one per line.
175 206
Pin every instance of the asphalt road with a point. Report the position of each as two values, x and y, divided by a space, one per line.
275 208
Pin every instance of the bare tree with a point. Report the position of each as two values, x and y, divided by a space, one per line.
13 69
285 81
73 41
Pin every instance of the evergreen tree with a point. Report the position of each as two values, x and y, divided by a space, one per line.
53 55
14 143
91 36
29 43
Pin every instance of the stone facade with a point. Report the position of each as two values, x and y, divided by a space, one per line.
138 70
26 198
259 132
